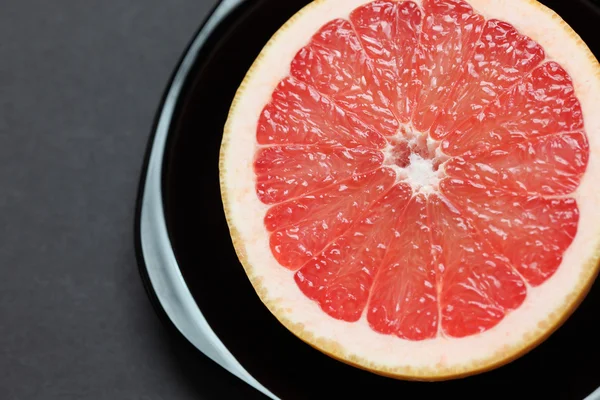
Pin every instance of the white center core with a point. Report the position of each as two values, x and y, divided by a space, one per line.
417 159
420 174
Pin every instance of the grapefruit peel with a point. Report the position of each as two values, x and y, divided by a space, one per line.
544 309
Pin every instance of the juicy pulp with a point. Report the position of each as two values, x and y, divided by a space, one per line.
436 84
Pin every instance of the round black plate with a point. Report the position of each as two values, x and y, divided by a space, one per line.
563 367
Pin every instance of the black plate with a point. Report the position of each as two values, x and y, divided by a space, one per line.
563 367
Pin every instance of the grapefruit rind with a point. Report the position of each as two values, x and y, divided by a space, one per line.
545 308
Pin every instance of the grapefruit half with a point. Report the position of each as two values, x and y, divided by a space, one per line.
412 185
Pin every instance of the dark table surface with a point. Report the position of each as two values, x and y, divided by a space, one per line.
80 82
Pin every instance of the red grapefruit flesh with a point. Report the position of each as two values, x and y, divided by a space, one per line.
409 184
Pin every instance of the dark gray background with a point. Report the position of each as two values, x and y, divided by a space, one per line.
80 82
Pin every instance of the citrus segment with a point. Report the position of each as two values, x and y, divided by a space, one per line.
302 227
298 114
404 295
449 32
477 287
543 103
285 172
501 58
530 231
337 67
545 166
389 34
340 277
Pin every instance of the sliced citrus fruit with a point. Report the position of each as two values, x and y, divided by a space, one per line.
411 186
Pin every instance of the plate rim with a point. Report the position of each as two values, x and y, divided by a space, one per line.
157 265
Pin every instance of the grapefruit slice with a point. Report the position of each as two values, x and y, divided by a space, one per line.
411 185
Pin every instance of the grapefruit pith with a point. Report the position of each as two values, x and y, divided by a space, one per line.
411 185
